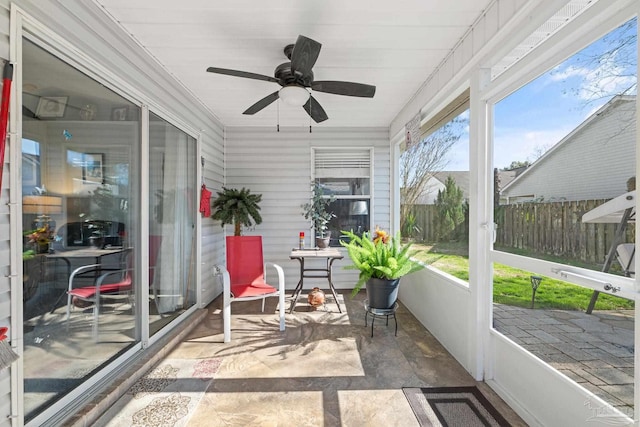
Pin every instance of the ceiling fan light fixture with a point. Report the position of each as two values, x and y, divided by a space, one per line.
295 96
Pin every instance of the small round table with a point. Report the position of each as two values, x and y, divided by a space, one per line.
379 312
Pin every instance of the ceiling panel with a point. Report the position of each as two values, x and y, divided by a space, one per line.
392 45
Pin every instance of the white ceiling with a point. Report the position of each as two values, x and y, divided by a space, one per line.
394 45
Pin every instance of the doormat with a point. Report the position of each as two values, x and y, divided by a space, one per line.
453 407
167 396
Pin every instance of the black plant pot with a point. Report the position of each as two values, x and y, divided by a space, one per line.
382 293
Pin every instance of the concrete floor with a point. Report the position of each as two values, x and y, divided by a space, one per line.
324 370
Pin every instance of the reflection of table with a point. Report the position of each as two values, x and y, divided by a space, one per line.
94 254
328 254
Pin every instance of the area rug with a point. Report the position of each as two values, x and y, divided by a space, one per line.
165 397
453 407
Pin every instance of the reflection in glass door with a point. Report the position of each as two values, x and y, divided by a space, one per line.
78 168
172 210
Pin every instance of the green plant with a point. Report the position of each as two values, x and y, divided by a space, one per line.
237 207
381 257
316 210
450 209
410 227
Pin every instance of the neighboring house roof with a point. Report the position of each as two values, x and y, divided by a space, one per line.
594 161
462 180
505 177
436 183
460 177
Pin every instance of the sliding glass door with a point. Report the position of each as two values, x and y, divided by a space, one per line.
172 214
80 175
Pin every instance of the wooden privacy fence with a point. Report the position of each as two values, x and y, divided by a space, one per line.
425 220
552 228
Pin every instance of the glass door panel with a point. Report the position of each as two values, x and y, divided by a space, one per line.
79 163
172 198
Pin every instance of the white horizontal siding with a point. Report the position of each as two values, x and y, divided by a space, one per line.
212 236
93 35
593 163
5 269
278 166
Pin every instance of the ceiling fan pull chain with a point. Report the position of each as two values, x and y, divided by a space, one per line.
278 109
309 113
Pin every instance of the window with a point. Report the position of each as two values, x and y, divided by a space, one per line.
345 175
565 146
435 189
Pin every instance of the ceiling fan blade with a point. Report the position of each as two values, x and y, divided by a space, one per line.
28 113
244 74
262 103
304 56
344 88
315 110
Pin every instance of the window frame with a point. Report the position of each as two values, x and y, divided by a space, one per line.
551 53
370 176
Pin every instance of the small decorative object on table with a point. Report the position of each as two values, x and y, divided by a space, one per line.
316 297
39 239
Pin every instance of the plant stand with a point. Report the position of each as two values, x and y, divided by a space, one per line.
378 312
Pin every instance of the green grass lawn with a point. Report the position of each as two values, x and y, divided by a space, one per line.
512 286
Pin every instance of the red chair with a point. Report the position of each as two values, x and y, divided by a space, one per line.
122 284
245 278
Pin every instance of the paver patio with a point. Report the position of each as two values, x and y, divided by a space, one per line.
595 350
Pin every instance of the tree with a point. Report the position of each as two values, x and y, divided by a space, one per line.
517 164
449 208
237 207
604 69
422 161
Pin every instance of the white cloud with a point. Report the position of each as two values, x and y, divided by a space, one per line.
523 144
606 78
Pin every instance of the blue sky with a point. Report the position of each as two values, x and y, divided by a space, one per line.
538 115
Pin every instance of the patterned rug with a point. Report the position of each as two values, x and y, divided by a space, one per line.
453 407
165 397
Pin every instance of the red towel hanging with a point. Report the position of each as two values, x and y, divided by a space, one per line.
205 201
7 75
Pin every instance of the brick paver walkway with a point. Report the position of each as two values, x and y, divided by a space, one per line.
595 350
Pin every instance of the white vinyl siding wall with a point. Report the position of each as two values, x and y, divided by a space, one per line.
595 162
96 36
278 166
5 268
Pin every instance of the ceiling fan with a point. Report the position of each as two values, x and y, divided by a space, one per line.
296 78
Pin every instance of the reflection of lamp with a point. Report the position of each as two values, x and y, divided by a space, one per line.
358 208
294 95
42 205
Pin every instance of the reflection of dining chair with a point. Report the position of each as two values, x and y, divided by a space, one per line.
245 278
109 282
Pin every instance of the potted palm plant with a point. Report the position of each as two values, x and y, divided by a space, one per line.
237 207
316 211
382 261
